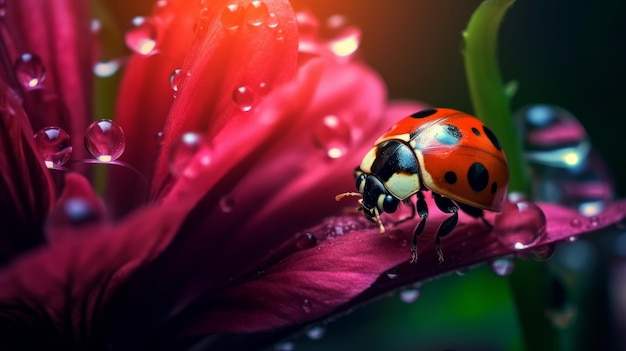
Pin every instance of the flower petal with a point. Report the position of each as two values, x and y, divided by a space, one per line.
353 264
62 39
25 183
65 294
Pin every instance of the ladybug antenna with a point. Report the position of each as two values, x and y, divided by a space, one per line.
342 195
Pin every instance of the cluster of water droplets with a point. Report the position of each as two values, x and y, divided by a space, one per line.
566 170
104 140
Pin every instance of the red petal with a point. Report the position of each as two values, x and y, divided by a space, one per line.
25 184
65 294
220 62
58 32
353 264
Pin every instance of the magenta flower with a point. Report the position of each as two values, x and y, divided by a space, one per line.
238 231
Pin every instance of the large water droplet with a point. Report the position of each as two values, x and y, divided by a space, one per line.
346 43
272 21
521 224
189 155
333 136
142 38
105 141
256 13
30 71
232 16
54 145
409 295
243 98
306 306
502 266
552 136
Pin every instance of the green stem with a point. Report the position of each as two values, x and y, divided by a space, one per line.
491 103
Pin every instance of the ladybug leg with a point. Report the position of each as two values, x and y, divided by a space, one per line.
422 210
476 213
448 206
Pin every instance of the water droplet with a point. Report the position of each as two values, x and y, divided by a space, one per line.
502 266
263 89
105 140
308 25
177 79
163 11
346 43
393 273
256 13
54 145
285 346
543 252
30 71
409 295
106 69
189 155
306 306
333 136
316 333
576 222
279 35
571 239
306 241
142 37
243 98
552 136
232 16
226 203
520 225
594 221
79 211
272 21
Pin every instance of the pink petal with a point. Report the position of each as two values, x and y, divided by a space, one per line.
353 263
58 32
25 183
66 294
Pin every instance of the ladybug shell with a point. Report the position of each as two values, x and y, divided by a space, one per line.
457 155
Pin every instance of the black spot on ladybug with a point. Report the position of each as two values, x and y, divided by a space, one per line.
424 113
494 187
450 177
492 137
448 135
476 131
478 176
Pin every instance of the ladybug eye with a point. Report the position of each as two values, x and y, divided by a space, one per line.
360 182
390 204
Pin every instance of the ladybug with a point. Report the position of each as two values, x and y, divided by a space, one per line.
450 153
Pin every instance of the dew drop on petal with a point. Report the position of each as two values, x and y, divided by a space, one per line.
272 21
256 13
316 333
263 88
393 273
163 11
243 98
306 306
189 155
520 225
279 35
346 43
30 71
105 141
306 241
409 295
332 136
576 222
232 16
177 79
160 138
502 266
142 37
227 203
54 145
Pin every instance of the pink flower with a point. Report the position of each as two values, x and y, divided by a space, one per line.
243 235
